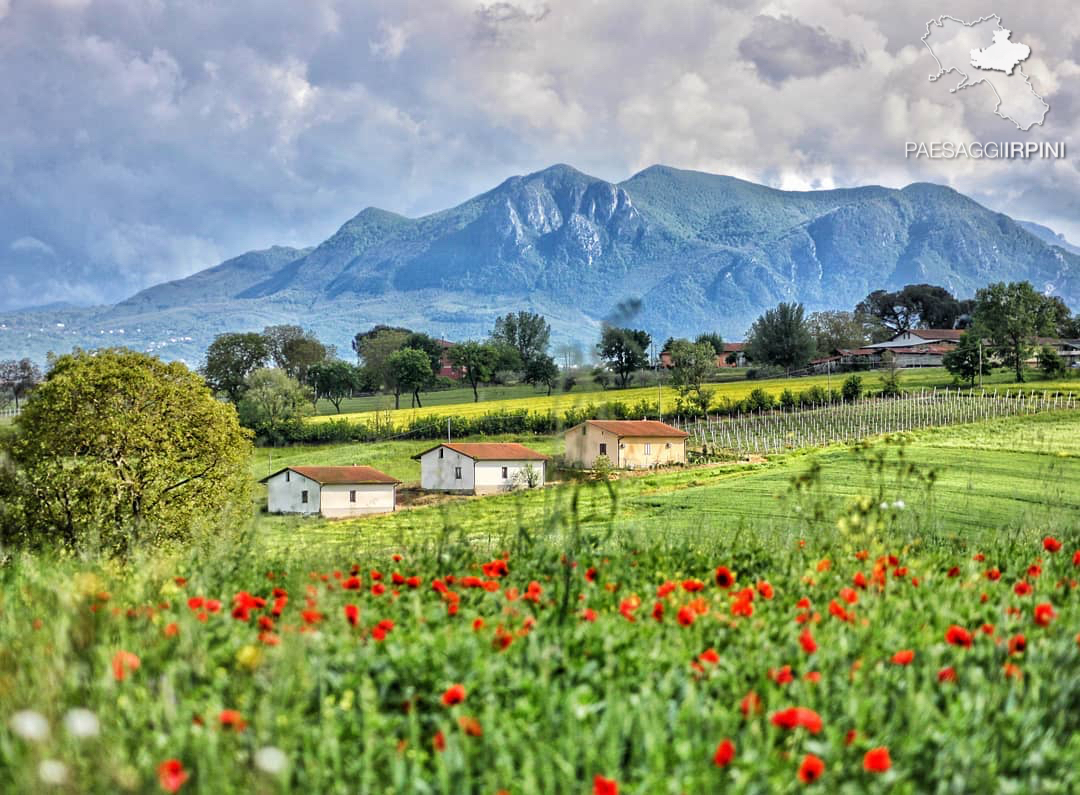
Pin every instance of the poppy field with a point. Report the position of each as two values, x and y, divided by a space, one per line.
873 650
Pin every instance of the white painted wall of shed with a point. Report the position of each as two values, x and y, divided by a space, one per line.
437 474
370 498
489 479
284 494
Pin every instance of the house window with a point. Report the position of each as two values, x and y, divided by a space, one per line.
457 473
287 478
352 495
648 448
667 446
440 452
603 449
303 496
505 473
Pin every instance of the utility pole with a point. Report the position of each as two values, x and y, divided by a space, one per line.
447 430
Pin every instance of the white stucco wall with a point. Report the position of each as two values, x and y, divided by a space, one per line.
489 478
284 494
370 498
437 474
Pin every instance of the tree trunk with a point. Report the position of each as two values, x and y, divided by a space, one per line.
416 397
397 400
475 393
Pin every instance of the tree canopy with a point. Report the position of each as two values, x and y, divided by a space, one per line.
408 370
691 364
914 306
624 351
116 445
1011 316
781 337
229 360
271 399
477 361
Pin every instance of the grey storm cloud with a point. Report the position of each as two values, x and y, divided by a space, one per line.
783 47
143 140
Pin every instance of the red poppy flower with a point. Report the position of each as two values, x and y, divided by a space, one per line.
947 674
588 614
454 694
352 614
724 577
231 719
378 589
837 611
693 586
806 640
1051 544
171 775
877 760
811 769
590 574
953 572
1017 644
686 615
849 595
1076 558
664 589
812 676
471 726
987 629
993 574
803 604
311 616
709 656
782 676
195 602
978 557
124 663
172 629
850 737
351 584
750 704
439 741
1021 588
725 753
958 636
605 786
796 717
765 589
1013 671
903 657
1044 614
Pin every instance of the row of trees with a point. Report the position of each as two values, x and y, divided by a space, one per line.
17 378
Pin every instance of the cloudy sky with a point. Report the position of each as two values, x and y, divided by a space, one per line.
143 140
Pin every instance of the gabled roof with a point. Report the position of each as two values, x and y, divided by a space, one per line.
734 347
645 428
339 476
490 451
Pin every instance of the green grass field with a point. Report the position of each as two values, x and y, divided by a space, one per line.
539 402
821 621
996 475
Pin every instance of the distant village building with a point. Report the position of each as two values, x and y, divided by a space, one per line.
628 444
446 369
333 492
734 355
481 467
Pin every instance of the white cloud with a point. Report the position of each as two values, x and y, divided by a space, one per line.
391 41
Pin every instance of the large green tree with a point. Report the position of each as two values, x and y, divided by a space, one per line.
231 358
914 306
408 370
272 398
477 361
1012 316
624 351
295 350
18 377
116 445
833 331
361 337
714 339
376 350
542 371
781 337
691 364
967 361
334 380
526 332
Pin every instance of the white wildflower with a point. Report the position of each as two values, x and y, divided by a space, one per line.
52 771
271 760
82 723
29 725
899 505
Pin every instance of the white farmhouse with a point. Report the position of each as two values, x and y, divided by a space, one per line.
481 467
333 492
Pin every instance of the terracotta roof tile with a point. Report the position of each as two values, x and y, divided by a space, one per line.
490 451
340 476
646 428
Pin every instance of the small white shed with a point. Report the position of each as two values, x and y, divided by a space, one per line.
333 492
481 467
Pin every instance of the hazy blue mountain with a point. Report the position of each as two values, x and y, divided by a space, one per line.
1048 235
700 251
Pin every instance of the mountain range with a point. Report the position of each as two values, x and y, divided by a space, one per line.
687 251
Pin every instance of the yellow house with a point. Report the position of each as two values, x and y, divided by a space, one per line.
628 444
